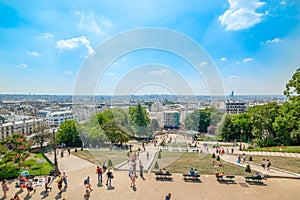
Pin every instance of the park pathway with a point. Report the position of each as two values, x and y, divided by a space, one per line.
69 163
147 163
273 172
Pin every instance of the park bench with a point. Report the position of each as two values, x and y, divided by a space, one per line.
191 177
253 178
163 176
225 178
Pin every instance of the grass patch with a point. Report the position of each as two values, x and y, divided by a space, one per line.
101 156
286 149
202 162
285 163
37 165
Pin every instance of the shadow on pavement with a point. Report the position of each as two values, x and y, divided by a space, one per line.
134 188
110 187
44 194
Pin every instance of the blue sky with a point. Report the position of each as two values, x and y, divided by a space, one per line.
252 43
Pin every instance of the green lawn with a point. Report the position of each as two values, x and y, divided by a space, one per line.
289 149
36 164
178 162
100 156
286 163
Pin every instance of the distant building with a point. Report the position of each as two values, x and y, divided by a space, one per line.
171 119
235 107
56 118
26 127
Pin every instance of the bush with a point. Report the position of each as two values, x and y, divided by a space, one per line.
248 169
250 158
159 155
8 172
250 147
213 155
218 158
156 165
109 163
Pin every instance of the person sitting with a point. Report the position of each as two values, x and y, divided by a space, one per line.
192 172
223 174
217 172
213 163
164 171
196 172
220 164
257 175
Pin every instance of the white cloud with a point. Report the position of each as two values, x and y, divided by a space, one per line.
68 72
276 40
203 63
48 35
74 43
248 60
93 24
283 3
159 72
223 59
238 62
242 14
22 66
231 78
33 53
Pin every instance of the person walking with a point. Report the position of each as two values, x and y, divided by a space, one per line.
104 167
109 176
59 182
87 186
87 182
132 178
168 197
99 174
64 178
141 170
30 186
5 188
47 183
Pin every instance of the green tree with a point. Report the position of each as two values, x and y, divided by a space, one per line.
42 135
242 124
114 132
287 124
262 119
140 120
204 120
292 90
227 130
67 133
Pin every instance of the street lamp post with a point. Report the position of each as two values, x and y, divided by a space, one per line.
241 139
56 170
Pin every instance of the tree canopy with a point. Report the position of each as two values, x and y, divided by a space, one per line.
67 133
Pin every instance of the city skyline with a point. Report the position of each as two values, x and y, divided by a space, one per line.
253 45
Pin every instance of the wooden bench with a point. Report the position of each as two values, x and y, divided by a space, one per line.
253 178
191 176
225 178
163 176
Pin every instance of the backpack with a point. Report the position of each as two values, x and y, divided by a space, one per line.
86 181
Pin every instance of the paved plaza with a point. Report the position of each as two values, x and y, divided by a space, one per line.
78 169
